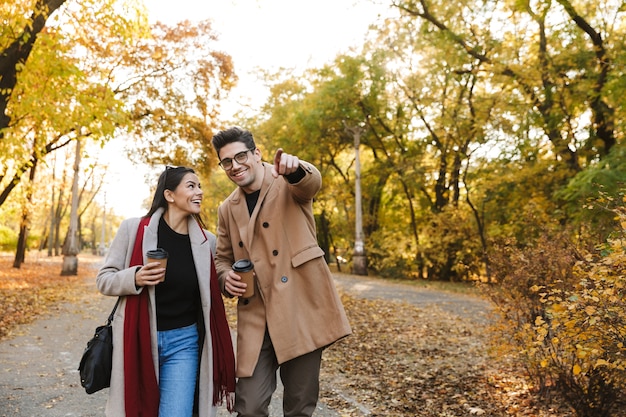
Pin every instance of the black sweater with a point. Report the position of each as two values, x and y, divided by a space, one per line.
178 297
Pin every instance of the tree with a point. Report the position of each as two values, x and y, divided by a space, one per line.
562 68
17 48
172 83
117 78
53 101
308 119
483 84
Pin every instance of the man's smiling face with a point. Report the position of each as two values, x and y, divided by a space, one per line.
247 174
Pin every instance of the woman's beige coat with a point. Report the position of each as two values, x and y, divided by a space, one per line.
295 294
115 278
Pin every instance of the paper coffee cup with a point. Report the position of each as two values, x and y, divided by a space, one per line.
157 255
245 269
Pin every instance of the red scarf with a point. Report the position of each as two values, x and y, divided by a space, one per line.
141 390
223 356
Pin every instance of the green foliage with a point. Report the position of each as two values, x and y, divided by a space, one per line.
8 238
449 245
392 254
593 193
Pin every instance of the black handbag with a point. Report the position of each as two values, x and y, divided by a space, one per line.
95 365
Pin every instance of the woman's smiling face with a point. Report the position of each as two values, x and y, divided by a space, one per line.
187 197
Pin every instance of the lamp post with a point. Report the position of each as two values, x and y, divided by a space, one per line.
359 259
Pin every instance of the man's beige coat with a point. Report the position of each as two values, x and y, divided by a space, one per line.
115 278
295 296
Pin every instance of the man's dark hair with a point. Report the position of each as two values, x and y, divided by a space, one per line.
230 135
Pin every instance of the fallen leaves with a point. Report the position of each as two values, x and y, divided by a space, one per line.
36 287
401 360
405 361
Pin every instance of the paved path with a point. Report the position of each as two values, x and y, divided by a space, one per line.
38 375
463 305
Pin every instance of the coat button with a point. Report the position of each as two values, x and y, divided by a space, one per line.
275 252
240 244
284 279
266 225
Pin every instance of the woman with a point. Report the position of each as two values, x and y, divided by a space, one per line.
171 342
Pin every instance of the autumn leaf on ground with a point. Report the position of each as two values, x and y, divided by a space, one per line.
31 290
405 361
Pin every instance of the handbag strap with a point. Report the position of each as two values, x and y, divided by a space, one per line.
110 319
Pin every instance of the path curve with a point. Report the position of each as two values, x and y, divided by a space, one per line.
466 306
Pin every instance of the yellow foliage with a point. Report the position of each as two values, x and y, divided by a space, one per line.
575 338
601 362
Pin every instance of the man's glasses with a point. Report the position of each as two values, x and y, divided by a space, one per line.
241 158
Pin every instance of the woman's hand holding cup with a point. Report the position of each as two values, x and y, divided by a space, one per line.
153 272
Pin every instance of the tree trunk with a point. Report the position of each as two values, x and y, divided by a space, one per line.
52 217
70 260
20 253
323 234
58 214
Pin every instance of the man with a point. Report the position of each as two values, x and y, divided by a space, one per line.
295 312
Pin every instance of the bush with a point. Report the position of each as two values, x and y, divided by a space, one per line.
582 343
565 319
516 270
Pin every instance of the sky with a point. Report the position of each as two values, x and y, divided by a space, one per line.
271 34
267 34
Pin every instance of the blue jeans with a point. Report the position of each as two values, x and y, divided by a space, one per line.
178 368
